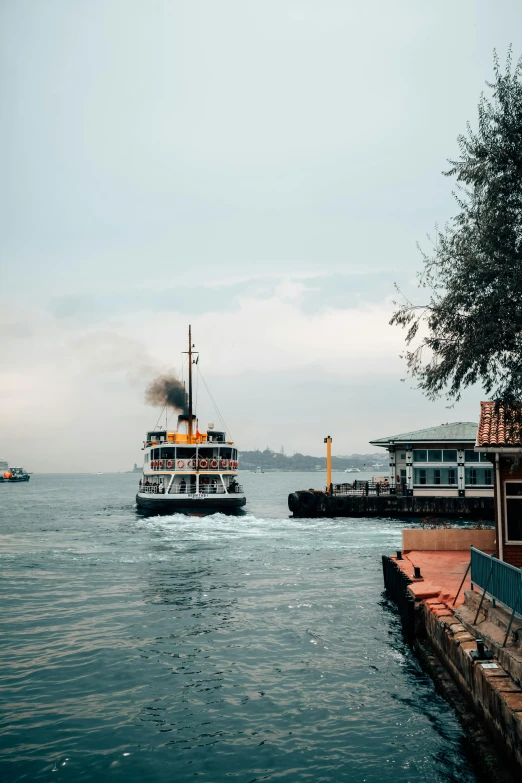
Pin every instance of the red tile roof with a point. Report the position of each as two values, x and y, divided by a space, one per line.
493 430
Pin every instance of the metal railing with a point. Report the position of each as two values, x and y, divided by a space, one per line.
501 580
364 488
152 489
190 489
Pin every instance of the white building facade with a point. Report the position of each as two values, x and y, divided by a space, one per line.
439 462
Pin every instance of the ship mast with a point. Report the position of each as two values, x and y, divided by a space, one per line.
190 387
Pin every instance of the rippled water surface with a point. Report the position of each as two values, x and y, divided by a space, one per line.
220 648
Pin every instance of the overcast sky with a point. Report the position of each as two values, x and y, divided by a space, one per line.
261 169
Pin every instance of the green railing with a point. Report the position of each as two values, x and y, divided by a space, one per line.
500 580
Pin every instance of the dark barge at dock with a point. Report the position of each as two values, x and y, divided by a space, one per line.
366 499
399 495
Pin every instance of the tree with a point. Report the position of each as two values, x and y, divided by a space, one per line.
470 329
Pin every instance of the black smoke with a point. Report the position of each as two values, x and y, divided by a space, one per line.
167 390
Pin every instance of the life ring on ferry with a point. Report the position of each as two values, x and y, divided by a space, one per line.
161 463
169 464
214 463
203 463
233 464
181 464
153 464
191 463
224 464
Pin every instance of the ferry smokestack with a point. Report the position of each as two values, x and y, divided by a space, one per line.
184 418
167 390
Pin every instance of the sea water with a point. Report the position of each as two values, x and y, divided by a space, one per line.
249 648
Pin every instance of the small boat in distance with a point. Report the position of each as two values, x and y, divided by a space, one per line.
186 470
352 470
16 474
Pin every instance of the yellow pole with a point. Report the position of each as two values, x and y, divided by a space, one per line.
328 441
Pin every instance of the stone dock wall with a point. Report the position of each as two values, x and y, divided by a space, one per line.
491 686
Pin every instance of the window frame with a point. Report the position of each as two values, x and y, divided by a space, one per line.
454 459
480 474
507 540
436 481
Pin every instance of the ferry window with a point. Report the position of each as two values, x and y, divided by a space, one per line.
452 477
449 455
403 455
436 476
484 457
471 456
420 455
403 477
186 452
435 455
225 452
514 510
168 453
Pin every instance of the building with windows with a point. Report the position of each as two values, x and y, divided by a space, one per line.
503 445
439 462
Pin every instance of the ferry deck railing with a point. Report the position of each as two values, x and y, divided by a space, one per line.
190 489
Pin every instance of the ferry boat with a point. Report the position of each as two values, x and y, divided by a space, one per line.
189 471
16 474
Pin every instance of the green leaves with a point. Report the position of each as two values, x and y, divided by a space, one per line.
471 328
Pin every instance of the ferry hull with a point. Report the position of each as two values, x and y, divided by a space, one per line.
186 505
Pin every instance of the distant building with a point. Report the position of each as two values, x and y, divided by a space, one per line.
439 462
505 450
4 465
